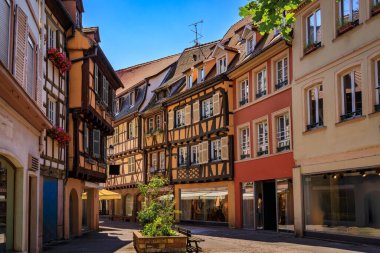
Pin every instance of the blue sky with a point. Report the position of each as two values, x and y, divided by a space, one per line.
136 31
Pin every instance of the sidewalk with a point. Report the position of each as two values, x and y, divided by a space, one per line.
116 236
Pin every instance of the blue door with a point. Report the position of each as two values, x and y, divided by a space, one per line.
50 209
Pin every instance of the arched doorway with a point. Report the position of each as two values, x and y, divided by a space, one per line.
129 205
7 181
74 213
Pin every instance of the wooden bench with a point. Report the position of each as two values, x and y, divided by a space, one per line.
190 239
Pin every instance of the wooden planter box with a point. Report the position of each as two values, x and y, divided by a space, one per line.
159 243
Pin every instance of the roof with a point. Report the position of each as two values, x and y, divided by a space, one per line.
59 10
93 33
135 74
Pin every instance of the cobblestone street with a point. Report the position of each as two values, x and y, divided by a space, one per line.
116 236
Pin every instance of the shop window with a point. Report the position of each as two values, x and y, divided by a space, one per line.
244 143
247 205
244 92
131 164
129 205
261 87
283 133
216 150
377 84
195 154
182 156
351 97
281 73
262 138
314 107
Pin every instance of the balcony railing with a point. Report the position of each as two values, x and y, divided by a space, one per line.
283 148
314 125
262 152
281 84
351 115
244 156
261 94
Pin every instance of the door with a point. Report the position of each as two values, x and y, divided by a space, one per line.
50 209
270 217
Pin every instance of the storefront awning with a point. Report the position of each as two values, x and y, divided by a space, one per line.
104 195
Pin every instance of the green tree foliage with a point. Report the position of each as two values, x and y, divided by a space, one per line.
271 14
157 214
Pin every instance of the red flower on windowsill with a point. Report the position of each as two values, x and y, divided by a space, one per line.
59 60
59 134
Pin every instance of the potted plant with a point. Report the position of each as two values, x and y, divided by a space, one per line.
59 59
157 218
59 134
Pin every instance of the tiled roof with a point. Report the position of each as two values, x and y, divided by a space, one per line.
135 74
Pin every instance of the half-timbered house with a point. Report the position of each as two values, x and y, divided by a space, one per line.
91 90
126 145
58 24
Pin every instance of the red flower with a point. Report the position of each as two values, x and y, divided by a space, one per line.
59 59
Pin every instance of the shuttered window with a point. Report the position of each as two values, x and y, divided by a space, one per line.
196 112
21 37
182 156
5 18
96 143
85 137
131 164
31 69
170 120
105 90
52 107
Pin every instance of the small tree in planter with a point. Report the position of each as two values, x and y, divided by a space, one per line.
157 218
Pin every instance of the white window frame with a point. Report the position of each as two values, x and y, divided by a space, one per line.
182 152
201 74
250 44
52 34
132 98
222 64
244 143
190 81
315 91
195 153
180 117
244 92
52 110
32 44
158 122
96 79
150 125
351 4
207 108
377 79
353 94
284 72
262 138
283 137
96 141
162 161
261 87
86 138
314 16
131 165
131 132
216 150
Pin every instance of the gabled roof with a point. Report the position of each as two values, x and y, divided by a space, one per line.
135 74
93 33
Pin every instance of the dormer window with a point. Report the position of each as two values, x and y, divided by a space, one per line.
132 98
201 75
250 44
222 64
190 81
77 18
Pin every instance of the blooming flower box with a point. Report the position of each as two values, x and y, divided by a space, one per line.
58 134
59 60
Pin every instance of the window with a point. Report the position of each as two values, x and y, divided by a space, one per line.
96 143
222 65
116 136
77 18
158 122
281 73
5 19
86 138
31 69
51 37
52 110
315 107
131 164
351 95
207 108
244 143
283 133
182 156
244 92
96 79
105 90
180 117
377 83
216 150
131 130
150 125
250 44
195 154
313 29
190 81
105 149
261 89
201 75
262 138
348 12
154 161
117 106
162 161
132 97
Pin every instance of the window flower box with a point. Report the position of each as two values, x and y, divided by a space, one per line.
263 152
346 26
59 60
58 134
244 156
375 9
311 47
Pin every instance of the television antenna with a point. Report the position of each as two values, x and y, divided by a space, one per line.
197 34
